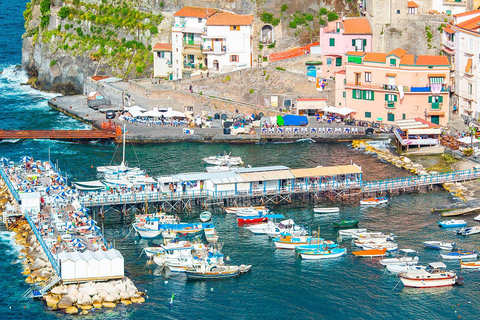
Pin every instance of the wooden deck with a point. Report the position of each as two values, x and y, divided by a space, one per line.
58 134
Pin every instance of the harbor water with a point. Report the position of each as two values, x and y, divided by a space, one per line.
279 286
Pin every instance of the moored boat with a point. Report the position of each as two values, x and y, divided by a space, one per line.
323 245
453 223
457 255
257 218
211 271
326 210
374 201
468 231
440 245
345 223
389 246
235 209
225 159
434 275
287 241
251 212
205 216
318 254
398 268
470 265
371 253
350 232
409 257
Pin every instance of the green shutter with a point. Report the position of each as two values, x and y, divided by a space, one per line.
364 94
395 98
373 95
440 99
332 42
354 91
430 99
368 114
338 62
351 59
393 61
435 106
364 43
390 117
358 60
386 97
353 42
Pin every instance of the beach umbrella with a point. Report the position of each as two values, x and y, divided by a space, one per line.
93 228
29 190
58 198
92 222
63 194
71 192
4 160
76 240
48 189
25 159
83 209
60 179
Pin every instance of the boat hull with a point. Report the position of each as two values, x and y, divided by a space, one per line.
458 256
242 221
197 275
439 245
326 210
318 255
428 283
370 253
470 265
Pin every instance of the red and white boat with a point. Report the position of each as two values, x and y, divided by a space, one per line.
257 218
434 275
236 209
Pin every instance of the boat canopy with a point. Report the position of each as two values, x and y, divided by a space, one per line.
266 176
408 250
438 265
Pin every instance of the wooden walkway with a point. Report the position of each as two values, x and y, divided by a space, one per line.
58 134
183 199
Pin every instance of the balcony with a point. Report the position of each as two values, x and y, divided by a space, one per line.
455 2
215 50
445 88
370 85
449 45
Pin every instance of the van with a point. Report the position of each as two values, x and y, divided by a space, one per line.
110 114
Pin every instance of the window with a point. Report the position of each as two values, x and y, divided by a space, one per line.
234 58
234 28
332 42
404 116
398 11
390 117
199 20
391 97
368 114
435 99
357 94
470 88
344 94
393 62
191 58
287 103
329 62
368 95
391 105
368 77
435 106
359 44
338 62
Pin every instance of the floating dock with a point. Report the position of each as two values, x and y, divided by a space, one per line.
75 135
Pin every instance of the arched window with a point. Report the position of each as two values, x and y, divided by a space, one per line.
267 36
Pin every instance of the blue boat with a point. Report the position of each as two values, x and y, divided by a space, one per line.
321 246
452 223
318 254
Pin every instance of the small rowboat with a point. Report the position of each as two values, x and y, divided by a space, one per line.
452 223
470 265
345 224
457 255
373 201
371 253
439 245
326 210
350 232
205 216
318 254
235 209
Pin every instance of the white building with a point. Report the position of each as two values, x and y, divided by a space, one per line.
449 7
162 60
228 41
460 41
187 29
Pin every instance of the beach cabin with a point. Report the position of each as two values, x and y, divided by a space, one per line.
30 201
68 262
81 266
104 264
263 179
417 133
319 178
93 264
116 263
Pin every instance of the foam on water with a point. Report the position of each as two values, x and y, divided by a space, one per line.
7 237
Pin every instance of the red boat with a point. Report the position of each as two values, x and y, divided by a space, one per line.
250 220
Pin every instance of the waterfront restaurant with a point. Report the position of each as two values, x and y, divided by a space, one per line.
327 177
264 179
417 132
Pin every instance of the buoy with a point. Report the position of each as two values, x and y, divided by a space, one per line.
166 281
211 289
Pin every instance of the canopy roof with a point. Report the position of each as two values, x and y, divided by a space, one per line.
267 176
325 171
425 131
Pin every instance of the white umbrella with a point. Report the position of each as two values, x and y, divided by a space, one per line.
174 114
135 108
345 111
330 109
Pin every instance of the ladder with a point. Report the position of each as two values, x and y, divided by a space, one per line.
39 290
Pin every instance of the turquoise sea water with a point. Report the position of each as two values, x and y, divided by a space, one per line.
279 286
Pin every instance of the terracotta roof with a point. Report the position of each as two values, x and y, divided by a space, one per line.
356 26
341 72
355 53
375 57
162 47
399 52
471 24
464 14
229 19
412 4
432 60
408 59
430 124
195 12
448 30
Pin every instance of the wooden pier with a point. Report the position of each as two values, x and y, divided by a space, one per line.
59 134
334 191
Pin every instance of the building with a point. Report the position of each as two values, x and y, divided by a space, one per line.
187 30
228 42
340 36
162 60
208 38
310 106
460 43
386 87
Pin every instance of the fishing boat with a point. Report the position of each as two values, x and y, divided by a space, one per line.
225 159
468 231
345 224
205 216
251 212
287 226
180 259
457 255
374 201
154 227
371 253
323 245
409 257
326 210
434 275
348 233
212 271
453 223
470 265
318 254
398 268
287 241
257 219
389 246
360 235
235 209
440 245
153 251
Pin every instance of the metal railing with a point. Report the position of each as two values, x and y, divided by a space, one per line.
9 184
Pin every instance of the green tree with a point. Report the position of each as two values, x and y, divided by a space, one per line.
63 12
331 16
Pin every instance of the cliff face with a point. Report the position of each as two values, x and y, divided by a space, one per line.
67 41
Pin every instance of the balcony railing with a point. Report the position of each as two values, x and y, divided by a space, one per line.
392 87
449 44
221 49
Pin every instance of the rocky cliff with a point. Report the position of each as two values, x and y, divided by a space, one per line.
67 41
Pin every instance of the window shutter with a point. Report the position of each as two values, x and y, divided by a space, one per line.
440 99
373 97
395 98
354 91
430 99
386 97
353 42
364 94
364 43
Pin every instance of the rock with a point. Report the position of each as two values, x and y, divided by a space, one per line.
91 291
125 295
84 312
73 294
126 302
52 302
109 304
71 310
29 280
137 299
38 264
96 298
111 297
65 303
97 305
120 287
86 307
84 299
102 294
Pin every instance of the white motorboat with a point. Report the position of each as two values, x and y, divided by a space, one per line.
179 259
374 201
398 268
261 228
251 212
477 218
440 245
409 257
359 235
390 246
459 255
365 241
326 210
453 223
222 160
288 226
235 209
348 233
153 251
434 275
205 216
469 231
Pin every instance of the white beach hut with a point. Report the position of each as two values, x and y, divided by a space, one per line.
81 266
93 264
68 263
103 264
116 263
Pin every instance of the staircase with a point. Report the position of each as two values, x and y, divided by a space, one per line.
39 290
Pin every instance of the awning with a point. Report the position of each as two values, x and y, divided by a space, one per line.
425 131
468 67
390 75
448 30
436 113
436 75
266 176
412 4
469 140
345 111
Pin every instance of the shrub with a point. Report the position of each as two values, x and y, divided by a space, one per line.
63 12
44 21
67 27
44 7
79 31
323 11
252 91
280 68
283 8
153 30
332 16
271 46
53 62
260 47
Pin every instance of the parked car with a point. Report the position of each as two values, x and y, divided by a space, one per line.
110 114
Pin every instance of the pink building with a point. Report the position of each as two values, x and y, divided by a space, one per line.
340 36
386 87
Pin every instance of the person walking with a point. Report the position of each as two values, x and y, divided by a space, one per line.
190 88
454 109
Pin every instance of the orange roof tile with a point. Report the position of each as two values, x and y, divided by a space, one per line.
356 26
408 59
448 30
355 53
432 60
399 52
341 72
472 24
229 19
412 4
195 12
162 47
375 57
464 14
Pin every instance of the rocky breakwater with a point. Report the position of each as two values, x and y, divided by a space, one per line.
455 188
